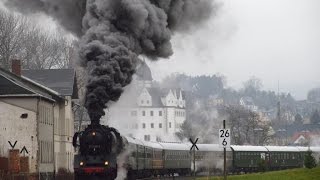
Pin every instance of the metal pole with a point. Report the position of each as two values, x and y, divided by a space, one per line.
194 163
224 156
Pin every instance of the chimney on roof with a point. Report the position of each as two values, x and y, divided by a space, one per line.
16 67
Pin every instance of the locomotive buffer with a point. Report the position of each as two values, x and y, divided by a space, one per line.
194 147
224 141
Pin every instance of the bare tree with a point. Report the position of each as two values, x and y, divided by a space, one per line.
12 33
38 49
47 51
246 126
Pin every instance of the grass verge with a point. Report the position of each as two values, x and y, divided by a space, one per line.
292 174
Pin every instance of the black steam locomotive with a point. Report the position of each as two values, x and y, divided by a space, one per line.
98 147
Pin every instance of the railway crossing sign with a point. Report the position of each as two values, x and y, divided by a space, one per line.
194 146
224 138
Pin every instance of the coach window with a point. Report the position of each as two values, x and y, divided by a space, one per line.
152 125
143 113
151 113
143 125
160 113
160 125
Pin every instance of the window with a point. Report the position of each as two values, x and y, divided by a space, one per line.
158 139
160 113
151 113
142 101
160 125
133 113
143 113
147 137
169 124
147 101
152 125
143 125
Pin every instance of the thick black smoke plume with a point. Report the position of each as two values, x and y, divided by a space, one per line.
116 32
69 13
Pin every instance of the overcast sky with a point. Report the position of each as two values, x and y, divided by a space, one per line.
274 40
269 39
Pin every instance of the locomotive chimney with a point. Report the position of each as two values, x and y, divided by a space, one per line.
95 120
16 67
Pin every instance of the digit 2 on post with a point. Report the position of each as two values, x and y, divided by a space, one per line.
224 137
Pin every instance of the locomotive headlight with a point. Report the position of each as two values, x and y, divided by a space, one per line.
106 163
81 163
93 133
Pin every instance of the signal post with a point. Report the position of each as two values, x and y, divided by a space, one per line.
224 141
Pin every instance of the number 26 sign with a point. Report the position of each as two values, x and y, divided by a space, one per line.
224 137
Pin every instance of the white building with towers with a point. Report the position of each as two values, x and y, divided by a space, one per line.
148 112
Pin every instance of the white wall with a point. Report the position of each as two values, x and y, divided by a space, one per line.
55 122
64 130
14 128
46 136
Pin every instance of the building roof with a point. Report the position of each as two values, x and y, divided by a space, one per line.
8 87
248 101
12 85
61 80
155 94
291 130
143 72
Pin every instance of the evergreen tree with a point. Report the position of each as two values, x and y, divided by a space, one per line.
315 117
298 119
309 160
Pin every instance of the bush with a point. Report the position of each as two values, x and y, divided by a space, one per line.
309 160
